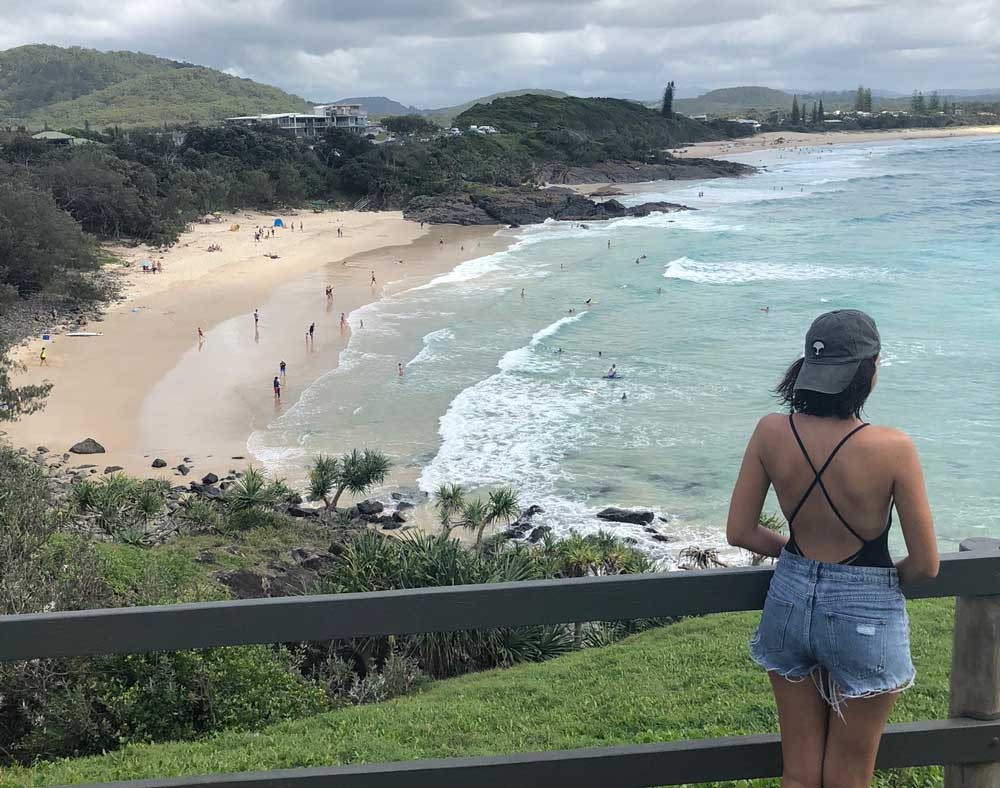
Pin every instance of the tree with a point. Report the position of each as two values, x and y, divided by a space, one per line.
795 110
918 105
409 124
934 104
868 100
322 479
820 115
250 492
449 501
859 99
815 114
500 506
358 472
17 401
667 108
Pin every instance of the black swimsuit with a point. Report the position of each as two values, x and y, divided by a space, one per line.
873 552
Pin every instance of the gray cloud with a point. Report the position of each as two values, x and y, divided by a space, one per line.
438 52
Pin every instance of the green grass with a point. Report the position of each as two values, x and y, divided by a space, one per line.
689 680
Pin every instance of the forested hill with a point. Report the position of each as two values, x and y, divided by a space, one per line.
619 128
73 87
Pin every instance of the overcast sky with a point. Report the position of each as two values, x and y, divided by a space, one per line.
438 52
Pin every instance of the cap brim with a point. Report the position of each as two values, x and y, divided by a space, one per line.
826 378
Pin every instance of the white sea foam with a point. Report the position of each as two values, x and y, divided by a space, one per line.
520 358
431 341
734 273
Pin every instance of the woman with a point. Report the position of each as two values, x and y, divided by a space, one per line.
834 636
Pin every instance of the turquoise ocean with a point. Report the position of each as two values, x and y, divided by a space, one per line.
501 388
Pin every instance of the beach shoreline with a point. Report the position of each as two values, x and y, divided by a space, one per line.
777 140
147 388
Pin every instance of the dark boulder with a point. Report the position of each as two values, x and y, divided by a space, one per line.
370 508
538 533
244 583
615 515
660 538
398 517
404 505
391 525
311 559
209 478
296 510
87 446
158 463
113 468
183 470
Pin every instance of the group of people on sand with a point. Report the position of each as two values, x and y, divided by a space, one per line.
261 232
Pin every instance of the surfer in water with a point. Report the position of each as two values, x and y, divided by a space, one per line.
612 373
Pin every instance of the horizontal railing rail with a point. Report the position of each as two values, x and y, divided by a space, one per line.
438 609
628 766
971 738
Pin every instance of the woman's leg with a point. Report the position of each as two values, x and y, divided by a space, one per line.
803 716
852 742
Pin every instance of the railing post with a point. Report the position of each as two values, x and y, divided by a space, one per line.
975 673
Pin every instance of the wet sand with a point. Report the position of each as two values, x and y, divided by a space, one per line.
149 388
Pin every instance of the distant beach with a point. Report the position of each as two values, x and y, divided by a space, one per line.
148 388
773 140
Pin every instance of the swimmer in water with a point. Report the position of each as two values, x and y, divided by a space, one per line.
613 372
587 302
400 368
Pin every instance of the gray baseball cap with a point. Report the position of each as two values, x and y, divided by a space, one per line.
836 344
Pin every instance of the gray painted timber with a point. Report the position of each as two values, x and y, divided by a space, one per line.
440 609
631 766
975 672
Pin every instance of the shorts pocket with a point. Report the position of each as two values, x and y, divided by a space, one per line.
773 623
857 644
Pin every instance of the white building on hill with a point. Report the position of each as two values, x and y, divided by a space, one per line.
349 117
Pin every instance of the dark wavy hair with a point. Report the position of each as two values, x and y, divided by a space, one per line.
849 402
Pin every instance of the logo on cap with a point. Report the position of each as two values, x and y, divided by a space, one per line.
818 348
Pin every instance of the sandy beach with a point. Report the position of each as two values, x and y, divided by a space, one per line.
147 387
792 139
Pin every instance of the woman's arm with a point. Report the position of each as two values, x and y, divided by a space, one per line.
743 527
914 511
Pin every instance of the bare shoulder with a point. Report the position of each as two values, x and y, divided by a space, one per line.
889 438
772 424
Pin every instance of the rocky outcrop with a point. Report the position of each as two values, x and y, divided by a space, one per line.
87 446
159 463
522 525
636 172
635 517
524 206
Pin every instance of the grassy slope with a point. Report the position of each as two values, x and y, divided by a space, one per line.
183 95
35 75
689 680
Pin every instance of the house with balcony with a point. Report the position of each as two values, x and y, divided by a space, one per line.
349 117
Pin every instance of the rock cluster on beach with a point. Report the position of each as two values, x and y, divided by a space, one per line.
518 206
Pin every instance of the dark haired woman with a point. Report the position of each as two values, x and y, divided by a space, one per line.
834 636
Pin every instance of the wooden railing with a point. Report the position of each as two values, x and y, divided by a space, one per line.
968 743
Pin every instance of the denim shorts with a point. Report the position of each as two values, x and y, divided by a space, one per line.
849 621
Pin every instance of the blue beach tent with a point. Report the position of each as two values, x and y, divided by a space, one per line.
278 223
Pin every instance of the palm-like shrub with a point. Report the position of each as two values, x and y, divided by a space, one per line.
700 558
322 478
121 505
449 501
249 492
355 473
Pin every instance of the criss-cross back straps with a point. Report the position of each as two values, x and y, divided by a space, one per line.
818 480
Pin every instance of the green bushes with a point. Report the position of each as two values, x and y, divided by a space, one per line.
120 505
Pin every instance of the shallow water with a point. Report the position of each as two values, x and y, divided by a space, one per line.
906 231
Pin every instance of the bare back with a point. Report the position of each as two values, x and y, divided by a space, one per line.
859 480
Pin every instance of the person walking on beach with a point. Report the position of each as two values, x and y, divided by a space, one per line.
42 360
277 387
343 321
373 279
256 318
400 367
312 329
201 335
300 227
281 368
522 292
834 612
